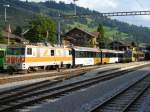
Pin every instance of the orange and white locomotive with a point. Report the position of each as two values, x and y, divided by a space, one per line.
26 57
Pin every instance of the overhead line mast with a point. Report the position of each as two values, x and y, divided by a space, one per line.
75 8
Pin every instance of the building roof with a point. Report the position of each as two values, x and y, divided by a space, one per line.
12 36
96 34
122 43
90 34
3 45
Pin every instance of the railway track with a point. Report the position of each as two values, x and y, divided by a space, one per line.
37 85
138 104
44 83
36 75
29 96
126 98
40 74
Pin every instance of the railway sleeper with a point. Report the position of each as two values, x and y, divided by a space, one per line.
44 96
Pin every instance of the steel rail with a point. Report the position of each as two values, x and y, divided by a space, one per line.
35 86
55 92
37 96
27 99
140 87
126 108
9 98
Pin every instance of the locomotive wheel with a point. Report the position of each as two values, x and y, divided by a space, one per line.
10 70
49 68
68 66
28 70
57 68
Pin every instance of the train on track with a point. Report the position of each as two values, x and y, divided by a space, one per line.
33 57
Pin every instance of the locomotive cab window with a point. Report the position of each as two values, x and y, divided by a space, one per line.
29 51
15 51
52 53
2 54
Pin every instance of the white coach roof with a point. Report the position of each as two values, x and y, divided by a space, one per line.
86 49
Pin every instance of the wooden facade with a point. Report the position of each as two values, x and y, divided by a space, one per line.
14 38
79 37
117 45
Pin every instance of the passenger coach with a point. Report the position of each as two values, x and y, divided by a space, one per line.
84 56
111 56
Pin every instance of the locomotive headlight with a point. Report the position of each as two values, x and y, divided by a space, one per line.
23 65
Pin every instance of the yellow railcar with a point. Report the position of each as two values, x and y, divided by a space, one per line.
138 56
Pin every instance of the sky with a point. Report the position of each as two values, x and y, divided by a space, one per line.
115 6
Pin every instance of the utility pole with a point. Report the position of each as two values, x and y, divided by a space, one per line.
113 44
117 38
5 13
59 30
9 29
47 35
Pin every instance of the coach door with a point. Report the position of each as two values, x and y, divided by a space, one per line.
73 57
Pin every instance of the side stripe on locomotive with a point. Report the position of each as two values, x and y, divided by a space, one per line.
36 59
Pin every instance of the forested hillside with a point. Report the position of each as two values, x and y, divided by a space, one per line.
21 12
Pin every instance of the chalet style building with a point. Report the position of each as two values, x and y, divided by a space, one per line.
14 38
79 37
119 45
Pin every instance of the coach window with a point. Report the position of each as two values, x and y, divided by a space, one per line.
90 54
80 54
77 55
98 54
94 54
52 52
113 55
107 55
29 51
86 54
103 55
70 53
83 54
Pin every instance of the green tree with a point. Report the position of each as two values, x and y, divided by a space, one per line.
133 44
101 39
18 31
100 29
41 28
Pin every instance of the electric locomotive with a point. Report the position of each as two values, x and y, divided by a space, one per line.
31 57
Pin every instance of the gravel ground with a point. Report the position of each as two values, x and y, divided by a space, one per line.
83 99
